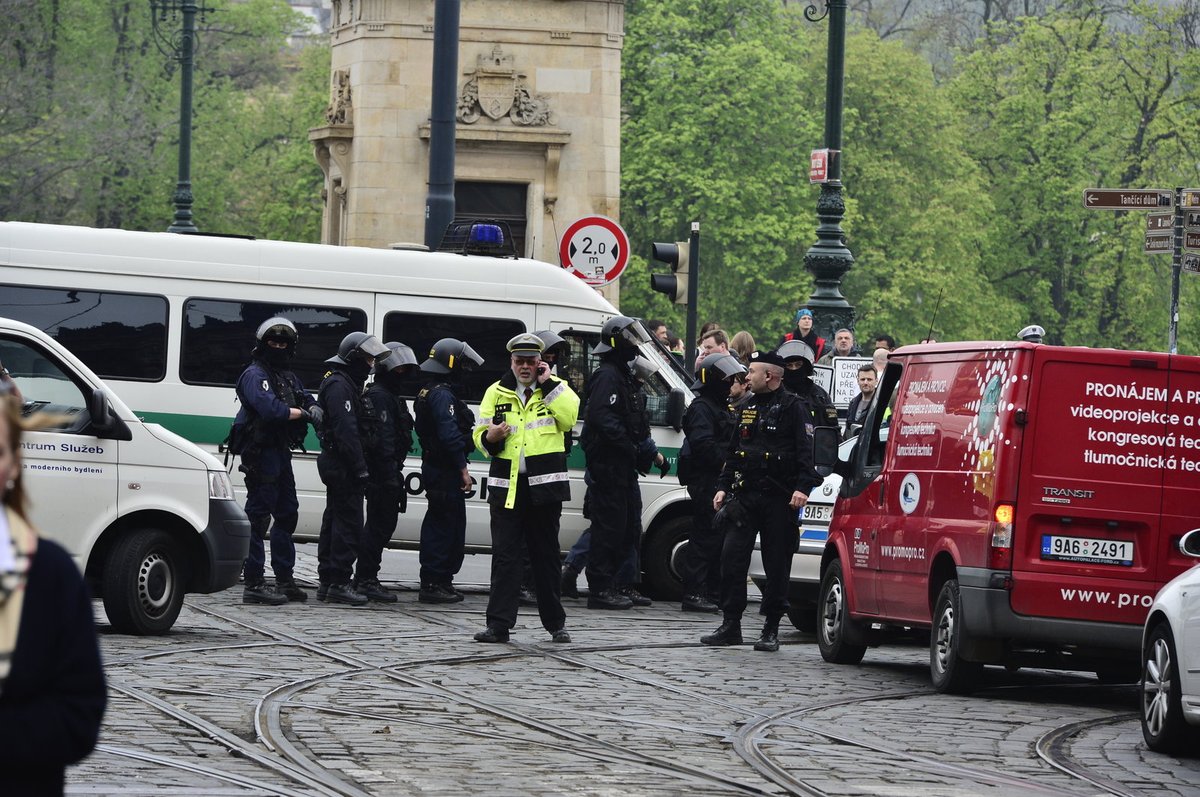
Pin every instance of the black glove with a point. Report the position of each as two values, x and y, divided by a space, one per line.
314 415
664 468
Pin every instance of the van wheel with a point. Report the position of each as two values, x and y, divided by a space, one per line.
951 673
143 583
1161 706
835 623
662 559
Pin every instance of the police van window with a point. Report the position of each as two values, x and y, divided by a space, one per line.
487 336
219 334
117 335
44 386
582 362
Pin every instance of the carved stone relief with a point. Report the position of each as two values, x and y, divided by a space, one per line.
496 89
341 106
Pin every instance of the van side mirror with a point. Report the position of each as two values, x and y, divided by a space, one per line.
675 407
1189 544
825 449
104 423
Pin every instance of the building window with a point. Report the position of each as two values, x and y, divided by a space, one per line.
502 201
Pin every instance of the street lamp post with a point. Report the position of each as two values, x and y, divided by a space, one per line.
179 46
829 259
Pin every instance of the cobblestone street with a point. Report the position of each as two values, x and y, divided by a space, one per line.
312 699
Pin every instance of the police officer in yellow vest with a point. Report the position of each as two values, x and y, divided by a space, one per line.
521 425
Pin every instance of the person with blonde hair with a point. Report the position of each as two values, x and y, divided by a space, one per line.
52 690
741 345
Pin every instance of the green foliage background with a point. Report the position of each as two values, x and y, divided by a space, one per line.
964 161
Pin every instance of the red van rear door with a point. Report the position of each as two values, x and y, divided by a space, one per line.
1086 539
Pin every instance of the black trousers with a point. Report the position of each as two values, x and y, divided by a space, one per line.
702 570
775 523
341 529
526 527
383 509
616 515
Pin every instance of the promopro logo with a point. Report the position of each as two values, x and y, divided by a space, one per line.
910 493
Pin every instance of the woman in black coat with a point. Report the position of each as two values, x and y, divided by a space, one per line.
52 691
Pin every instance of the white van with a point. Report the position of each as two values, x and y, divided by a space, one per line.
169 321
146 514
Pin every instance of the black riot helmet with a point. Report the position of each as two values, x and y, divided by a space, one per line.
556 349
715 370
623 335
398 356
358 347
450 354
798 360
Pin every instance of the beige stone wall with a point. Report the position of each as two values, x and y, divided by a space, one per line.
569 54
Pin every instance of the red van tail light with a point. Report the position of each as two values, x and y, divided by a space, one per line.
1001 528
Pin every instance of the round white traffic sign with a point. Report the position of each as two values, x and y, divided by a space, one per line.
595 249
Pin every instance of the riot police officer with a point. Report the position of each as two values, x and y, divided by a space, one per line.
612 431
525 416
342 464
708 431
392 440
766 480
797 360
272 420
444 424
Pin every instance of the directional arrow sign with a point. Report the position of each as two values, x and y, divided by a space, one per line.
1128 198
1190 198
1159 243
1191 240
1160 221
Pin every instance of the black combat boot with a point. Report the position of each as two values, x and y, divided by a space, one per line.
493 633
699 603
730 633
568 587
290 589
636 597
376 591
344 593
263 593
769 639
437 593
560 635
609 599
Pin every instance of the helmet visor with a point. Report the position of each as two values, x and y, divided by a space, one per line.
470 359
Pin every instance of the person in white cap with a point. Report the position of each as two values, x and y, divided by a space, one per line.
523 419
1032 334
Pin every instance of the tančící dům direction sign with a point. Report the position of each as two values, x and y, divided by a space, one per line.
1128 198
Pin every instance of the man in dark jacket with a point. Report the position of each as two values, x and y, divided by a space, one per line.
805 333
766 480
386 497
342 464
273 418
613 427
708 432
444 424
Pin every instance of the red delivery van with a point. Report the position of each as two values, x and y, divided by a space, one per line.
1021 501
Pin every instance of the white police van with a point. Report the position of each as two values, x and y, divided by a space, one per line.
147 515
169 321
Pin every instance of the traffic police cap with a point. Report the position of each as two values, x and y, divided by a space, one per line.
768 357
526 344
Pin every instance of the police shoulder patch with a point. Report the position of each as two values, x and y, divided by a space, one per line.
348 408
612 399
266 385
451 409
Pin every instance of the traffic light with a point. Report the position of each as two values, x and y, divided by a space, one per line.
673 285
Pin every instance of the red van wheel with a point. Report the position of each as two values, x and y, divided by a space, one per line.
835 623
951 673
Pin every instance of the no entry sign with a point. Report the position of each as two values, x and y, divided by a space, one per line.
596 249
